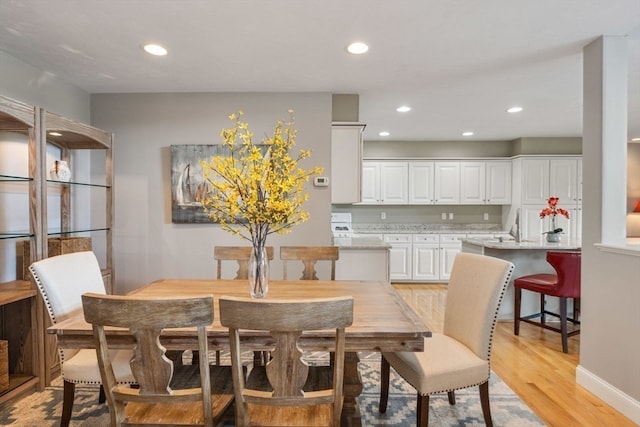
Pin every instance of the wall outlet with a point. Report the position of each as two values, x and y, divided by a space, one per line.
383 215
450 215
444 215
486 217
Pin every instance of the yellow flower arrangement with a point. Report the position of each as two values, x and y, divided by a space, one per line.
257 189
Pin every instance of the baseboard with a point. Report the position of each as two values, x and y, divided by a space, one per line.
619 400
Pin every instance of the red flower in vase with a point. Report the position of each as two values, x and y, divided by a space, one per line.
552 210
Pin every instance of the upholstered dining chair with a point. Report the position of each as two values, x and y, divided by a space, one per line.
241 255
564 284
61 281
460 356
287 391
159 400
309 255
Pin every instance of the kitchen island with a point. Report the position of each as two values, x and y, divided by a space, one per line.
528 257
362 258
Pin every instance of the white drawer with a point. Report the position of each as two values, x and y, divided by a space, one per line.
451 238
397 238
425 238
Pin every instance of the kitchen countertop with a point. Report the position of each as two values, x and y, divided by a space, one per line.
512 244
382 228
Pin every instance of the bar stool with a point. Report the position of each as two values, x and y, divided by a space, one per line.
564 284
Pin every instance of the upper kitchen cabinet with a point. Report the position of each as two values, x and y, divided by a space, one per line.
385 182
447 183
346 162
546 177
421 183
485 182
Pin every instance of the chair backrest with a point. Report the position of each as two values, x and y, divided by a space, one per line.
567 265
474 296
309 255
63 279
146 318
287 372
240 254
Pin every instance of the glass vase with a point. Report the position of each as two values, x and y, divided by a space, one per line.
258 272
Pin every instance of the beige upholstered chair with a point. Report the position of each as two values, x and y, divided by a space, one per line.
240 254
287 392
62 280
460 356
158 400
309 255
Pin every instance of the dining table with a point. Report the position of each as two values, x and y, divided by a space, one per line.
382 321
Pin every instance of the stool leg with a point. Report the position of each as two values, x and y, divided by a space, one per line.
516 310
542 307
563 324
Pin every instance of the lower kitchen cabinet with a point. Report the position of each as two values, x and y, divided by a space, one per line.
400 256
426 257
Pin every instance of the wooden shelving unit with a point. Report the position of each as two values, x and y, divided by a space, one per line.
33 359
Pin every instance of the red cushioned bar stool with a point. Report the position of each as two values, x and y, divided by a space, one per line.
564 284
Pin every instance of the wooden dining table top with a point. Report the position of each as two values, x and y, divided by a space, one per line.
382 321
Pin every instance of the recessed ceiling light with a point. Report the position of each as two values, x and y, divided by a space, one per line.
514 109
357 48
403 109
155 49
384 133
635 139
468 133
55 134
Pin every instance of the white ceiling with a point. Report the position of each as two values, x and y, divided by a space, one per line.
458 63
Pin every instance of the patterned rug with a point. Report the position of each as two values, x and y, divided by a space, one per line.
44 408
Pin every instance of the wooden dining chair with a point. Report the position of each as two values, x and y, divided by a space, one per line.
240 254
287 391
460 357
309 255
159 400
61 281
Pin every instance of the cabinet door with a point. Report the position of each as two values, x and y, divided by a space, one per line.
472 183
535 181
447 183
370 192
394 177
448 254
532 226
346 164
426 265
421 183
399 256
563 180
498 183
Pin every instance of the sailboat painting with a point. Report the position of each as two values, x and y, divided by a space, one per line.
188 187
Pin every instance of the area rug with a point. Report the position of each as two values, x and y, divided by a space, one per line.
44 408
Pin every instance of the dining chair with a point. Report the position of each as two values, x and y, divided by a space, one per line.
287 391
241 255
309 255
460 357
564 284
159 400
61 281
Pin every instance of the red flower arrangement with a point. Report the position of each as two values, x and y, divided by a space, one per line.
553 209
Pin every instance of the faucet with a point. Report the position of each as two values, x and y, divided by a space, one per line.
515 229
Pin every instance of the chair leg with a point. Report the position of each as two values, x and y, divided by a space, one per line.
484 401
69 390
423 411
102 396
516 311
563 324
452 397
385 371
542 307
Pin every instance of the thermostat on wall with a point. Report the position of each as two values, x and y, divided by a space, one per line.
321 181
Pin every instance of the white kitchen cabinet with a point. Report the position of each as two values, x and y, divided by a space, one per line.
346 161
485 183
400 256
426 257
447 183
385 182
450 245
421 183
564 180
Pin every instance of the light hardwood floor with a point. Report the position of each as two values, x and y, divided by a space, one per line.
532 364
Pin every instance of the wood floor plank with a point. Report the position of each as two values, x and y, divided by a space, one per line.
531 364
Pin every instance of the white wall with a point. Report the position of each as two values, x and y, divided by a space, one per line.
147 245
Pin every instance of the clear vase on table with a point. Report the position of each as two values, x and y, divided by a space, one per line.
258 272
553 236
